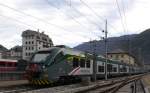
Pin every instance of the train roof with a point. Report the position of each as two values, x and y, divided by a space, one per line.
66 50
8 60
71 51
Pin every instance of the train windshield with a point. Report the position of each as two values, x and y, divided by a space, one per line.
40 56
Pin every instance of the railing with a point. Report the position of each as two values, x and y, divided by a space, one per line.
12 75
4 69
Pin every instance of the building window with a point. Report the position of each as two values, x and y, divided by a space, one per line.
111 56
32 42
122 55
29 42
39 48
26 54
38 37
32 37
26 48
26 42
122 61
32 48
116 56
29 48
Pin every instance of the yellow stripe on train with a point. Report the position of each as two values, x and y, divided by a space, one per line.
39 82
42 82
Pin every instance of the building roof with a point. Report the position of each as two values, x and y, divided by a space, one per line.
16 49
118 51
3 49
8 60
32 32
40 36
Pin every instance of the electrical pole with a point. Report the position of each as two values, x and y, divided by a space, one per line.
94 61
129 50
106 50
140 57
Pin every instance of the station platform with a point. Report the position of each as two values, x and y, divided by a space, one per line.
12 83
146 82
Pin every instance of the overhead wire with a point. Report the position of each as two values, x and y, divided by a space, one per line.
95 13
85 17
39 19
128 37
119 10
19 21
99 27
25 24
125 18
72 17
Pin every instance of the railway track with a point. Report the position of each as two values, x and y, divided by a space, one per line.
16 88
101 86
111 87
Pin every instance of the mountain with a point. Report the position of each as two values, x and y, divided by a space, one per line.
2 48
139 45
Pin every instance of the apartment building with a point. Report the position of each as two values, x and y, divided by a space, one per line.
33 41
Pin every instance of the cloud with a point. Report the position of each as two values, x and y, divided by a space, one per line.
70 22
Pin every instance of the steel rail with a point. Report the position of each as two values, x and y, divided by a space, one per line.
113 86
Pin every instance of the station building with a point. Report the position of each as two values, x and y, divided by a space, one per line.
121 56
33 41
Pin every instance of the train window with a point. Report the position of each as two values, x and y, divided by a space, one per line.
82 62
2 64
15 65
58 57
40 56
114 69
124 69
100 68
88 64
75 62
9 65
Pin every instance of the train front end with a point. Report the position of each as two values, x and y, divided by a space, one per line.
37 72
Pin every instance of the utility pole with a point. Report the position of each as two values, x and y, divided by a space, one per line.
105 31
94 61
140 57
129 50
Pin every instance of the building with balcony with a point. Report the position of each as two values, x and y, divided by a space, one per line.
33 41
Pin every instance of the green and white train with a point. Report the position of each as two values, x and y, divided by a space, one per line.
62 64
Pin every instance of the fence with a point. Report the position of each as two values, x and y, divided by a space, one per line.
12 75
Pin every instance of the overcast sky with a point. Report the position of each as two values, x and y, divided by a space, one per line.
71 22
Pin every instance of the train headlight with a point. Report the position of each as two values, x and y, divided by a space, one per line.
70 59
45 74
43 67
